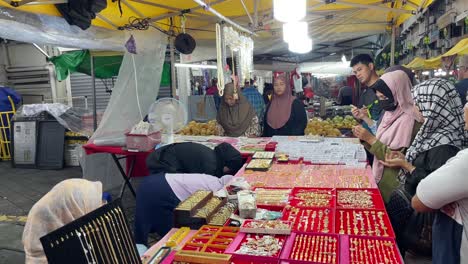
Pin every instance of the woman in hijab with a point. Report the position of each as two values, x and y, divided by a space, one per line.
67 201
440 137
158 195
236 116
396 130
191 157
285 115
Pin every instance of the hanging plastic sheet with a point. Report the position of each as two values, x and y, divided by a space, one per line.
202 108
136 89
44 29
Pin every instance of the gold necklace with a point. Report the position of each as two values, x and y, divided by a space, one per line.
114 235
99 236
109 242
126 232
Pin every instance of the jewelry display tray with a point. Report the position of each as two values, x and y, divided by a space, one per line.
375 194
386 221
270 231
181 213
241 237
288 247
196 222
295 225
346 246
211 239
69 250
295 201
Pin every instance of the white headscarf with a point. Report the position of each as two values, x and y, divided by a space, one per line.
67 201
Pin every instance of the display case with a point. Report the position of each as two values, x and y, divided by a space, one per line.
312 197
320 220
274 227
359 199
311 248
362 222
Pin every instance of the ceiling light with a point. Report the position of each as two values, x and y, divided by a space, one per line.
289 11
343 59
294 30
300 45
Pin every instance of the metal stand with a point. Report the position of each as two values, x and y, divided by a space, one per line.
127 178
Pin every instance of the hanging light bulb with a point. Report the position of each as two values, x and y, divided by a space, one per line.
293 30
288 11
343 59
300 45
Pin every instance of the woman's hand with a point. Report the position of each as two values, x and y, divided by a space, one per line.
358 113
364 135
396 159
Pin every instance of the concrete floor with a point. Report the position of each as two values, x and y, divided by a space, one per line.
21 188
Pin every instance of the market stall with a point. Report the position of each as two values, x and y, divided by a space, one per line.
309 201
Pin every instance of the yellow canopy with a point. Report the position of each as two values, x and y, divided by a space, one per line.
434 63
342 19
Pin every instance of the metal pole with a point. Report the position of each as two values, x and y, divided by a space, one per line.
392 52
93 85
227 20
173 72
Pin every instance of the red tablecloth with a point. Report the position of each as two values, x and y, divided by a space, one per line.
140 169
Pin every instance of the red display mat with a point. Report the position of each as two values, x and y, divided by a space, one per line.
310 219
371 250
353 199
358 221
311 248
312 197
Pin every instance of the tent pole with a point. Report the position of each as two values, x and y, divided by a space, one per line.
173 71
392 51
93 85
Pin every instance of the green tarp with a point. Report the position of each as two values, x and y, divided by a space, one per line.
80 61
106 66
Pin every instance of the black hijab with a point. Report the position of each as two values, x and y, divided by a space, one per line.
227 155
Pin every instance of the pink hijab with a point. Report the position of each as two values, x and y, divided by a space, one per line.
396 127
280 106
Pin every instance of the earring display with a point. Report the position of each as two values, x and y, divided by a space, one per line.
363 223
359 199
310 220
266 227
272 197
312 248
373 250
102 236
310 197
260 245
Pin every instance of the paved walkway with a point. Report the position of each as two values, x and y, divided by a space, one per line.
20 189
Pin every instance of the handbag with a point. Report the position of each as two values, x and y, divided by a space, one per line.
413 229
